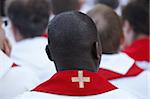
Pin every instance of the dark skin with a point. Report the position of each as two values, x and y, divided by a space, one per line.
70 58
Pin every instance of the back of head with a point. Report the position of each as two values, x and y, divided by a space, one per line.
59 6
111 3
72 41
30 17
109 27
137 14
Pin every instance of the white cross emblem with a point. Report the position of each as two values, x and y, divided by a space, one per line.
80 79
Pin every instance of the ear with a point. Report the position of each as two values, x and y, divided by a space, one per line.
122 38
49 53
13 28
15 32
7 47
96 51
122 42
126 26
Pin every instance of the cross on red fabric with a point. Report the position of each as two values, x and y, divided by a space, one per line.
81 79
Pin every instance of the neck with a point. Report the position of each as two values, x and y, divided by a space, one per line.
18 36
78 65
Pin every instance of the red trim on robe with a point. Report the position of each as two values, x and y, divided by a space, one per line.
45 35
111 75
108 74
61 84
14 65
139 50
134 71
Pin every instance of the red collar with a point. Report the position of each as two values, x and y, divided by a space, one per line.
139 50
45 35
110 75
66 83
14 65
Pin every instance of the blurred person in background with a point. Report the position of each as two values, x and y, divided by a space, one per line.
115 65
136 30
111 3
60 6
14 79
29 26
87 5
6 24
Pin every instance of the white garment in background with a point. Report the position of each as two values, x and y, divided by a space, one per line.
31 52
119 63
137 85
5 64
115 94
144 65
87 6
16 80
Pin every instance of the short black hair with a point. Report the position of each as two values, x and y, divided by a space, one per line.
30 17
59 6
71 29
72 36
111 3
137 14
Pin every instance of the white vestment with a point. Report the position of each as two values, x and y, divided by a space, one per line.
87 6
144 65
31 52
14 80
121 63
115 94
5 64
138 85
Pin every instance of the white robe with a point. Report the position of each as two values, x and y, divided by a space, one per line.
14 80
5 64
115 94
31 52
144 65
137 85
87 6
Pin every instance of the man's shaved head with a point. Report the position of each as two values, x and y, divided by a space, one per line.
73 42
109 27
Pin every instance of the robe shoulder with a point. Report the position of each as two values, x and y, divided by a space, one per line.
137 85
16 81
115 94
31 53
